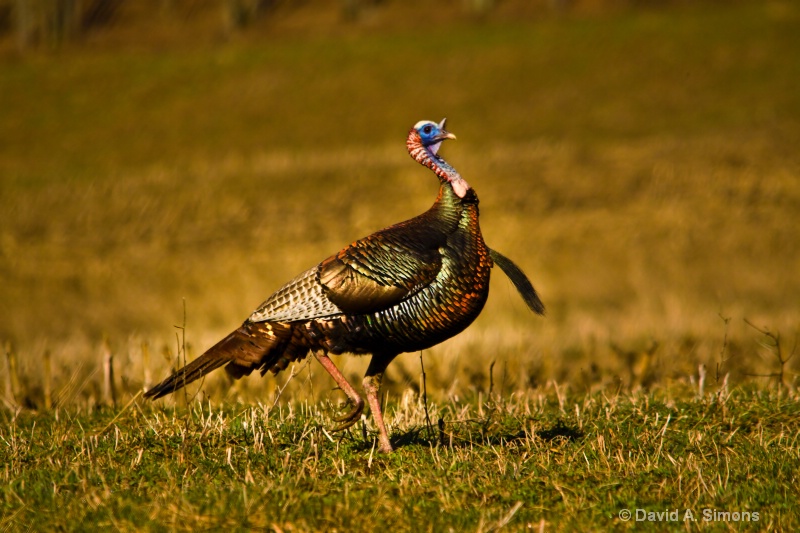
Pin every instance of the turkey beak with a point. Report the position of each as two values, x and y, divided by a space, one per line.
443 133
437 141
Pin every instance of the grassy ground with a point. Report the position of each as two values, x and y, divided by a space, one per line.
547 460
641 166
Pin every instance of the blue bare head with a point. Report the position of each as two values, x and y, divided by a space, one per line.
432 134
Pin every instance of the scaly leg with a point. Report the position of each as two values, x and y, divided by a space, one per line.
372 385
348 419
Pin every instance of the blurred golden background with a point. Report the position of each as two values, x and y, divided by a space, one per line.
638 159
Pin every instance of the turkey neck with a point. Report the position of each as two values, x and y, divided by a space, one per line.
445 172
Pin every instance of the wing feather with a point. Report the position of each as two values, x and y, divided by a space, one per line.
303 298
380 271
369 275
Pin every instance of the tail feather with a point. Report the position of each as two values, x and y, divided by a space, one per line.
251 346
520 281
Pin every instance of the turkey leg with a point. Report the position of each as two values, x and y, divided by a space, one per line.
372 385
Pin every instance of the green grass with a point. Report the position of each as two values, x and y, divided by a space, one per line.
640 166
549 459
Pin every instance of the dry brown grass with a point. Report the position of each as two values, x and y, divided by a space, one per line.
640 252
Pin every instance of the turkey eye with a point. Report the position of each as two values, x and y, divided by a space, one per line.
427 130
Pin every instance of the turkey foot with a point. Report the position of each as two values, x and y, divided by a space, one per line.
350 418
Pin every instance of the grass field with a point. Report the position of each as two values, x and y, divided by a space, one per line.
547 460
640 165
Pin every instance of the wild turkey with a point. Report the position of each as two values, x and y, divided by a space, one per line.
405 288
